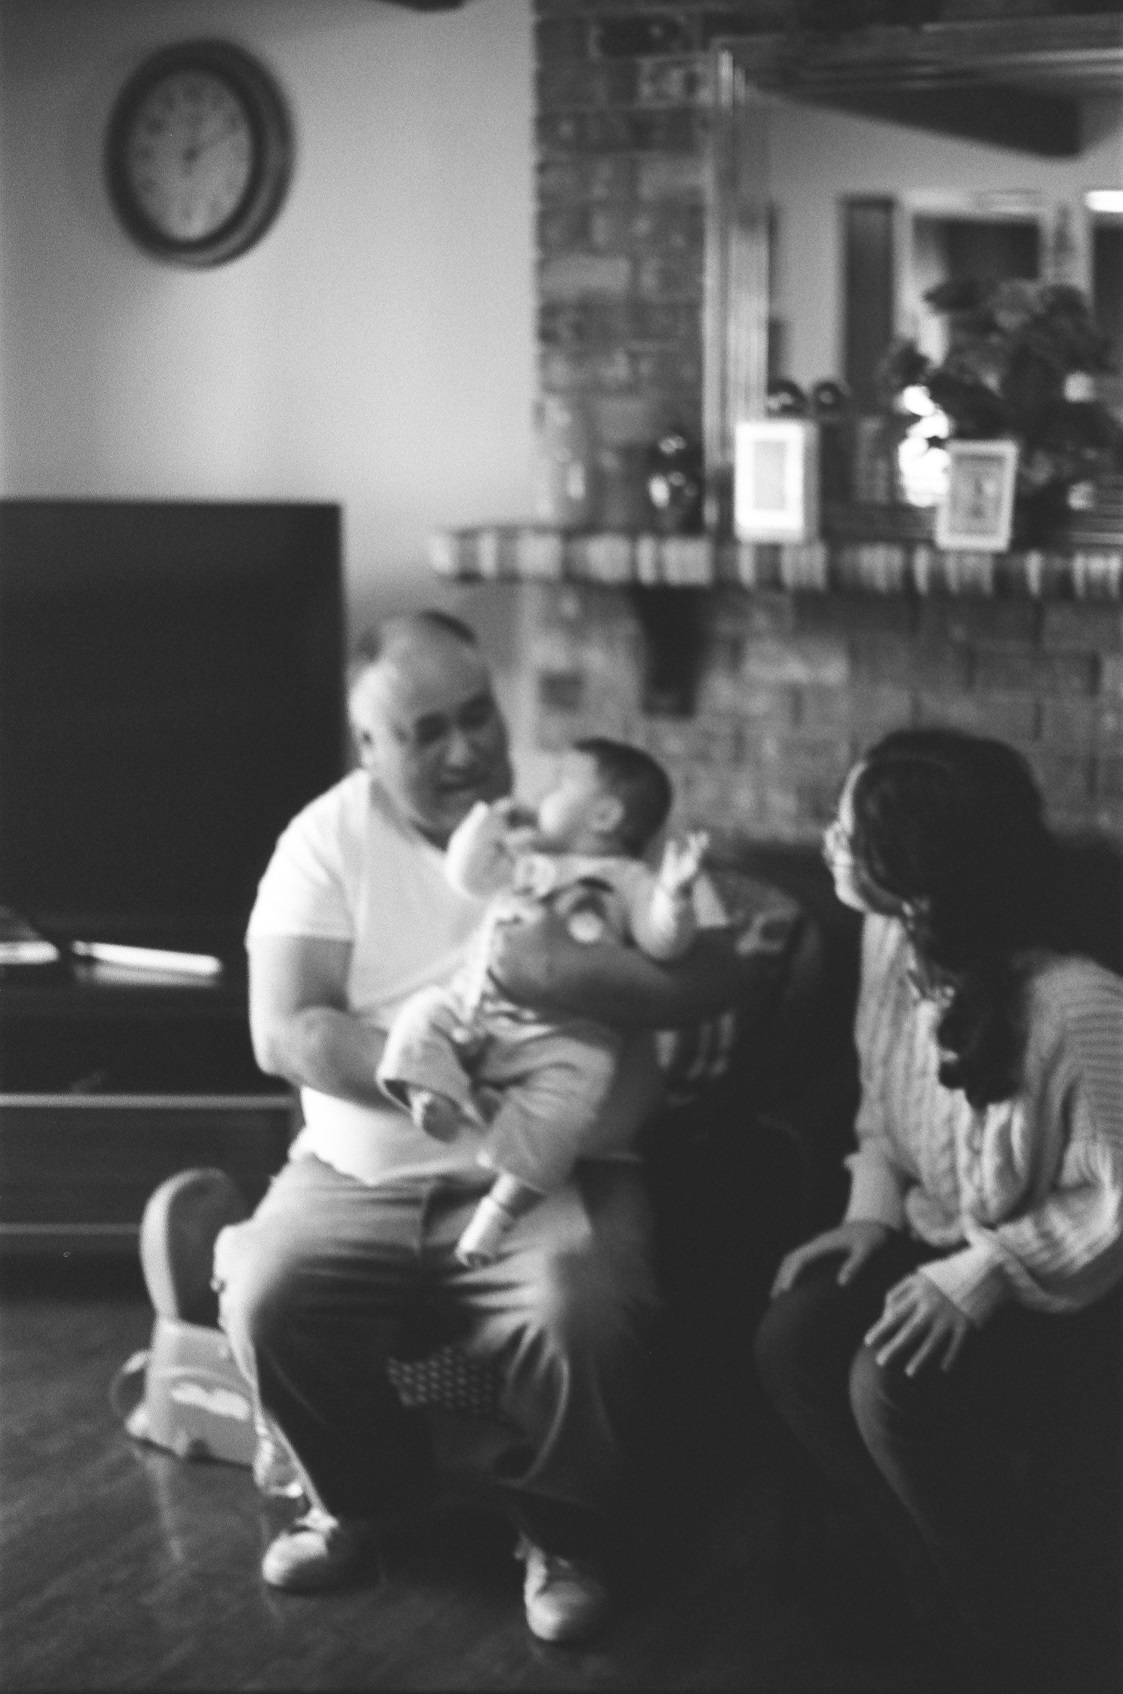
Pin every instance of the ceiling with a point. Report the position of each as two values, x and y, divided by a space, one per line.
1015 82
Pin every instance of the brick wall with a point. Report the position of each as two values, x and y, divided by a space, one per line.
791 686
623 94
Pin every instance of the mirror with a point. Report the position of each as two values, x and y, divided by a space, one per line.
956 235
837 197
1104 211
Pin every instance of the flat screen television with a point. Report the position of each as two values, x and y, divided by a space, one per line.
171 693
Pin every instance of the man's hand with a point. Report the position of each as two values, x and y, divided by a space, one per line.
538 963
919 1324
682 860
299 1022
855 1241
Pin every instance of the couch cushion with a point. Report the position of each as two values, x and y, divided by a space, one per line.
762 916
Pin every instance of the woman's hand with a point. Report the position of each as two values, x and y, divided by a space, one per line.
918 1324
856 1241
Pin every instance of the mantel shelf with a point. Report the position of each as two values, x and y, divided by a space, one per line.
517 553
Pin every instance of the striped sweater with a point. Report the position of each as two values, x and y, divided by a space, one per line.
1024 1197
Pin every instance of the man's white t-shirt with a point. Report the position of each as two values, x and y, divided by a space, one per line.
350 868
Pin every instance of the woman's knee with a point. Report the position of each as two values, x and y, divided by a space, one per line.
796 1339
886 1403
775 1347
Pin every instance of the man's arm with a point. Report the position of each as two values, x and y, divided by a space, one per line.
299 1022
539 964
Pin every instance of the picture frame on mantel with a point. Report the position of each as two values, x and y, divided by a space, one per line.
977 510
776 480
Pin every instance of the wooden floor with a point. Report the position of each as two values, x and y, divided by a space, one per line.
123 1568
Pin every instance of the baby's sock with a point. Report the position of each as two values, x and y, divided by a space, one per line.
507 1200
487 1226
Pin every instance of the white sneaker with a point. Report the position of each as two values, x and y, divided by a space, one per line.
316 1552
565 1599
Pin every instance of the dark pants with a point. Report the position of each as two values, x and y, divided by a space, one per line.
948 1465
331 1277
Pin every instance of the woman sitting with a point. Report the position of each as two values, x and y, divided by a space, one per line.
965 1300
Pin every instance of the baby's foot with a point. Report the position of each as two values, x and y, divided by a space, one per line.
480 1242
436 1114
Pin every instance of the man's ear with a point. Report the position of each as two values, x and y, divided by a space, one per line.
363 742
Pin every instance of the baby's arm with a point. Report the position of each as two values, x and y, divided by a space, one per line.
665 922
480 856
421 1066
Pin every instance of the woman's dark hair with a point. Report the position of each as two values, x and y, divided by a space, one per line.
951 825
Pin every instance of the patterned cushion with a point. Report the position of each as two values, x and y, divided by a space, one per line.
449 1379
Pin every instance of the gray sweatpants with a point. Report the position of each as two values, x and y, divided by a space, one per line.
549 1081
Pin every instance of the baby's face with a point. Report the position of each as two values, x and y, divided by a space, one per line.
566 814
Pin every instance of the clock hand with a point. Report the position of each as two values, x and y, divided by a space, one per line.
192 151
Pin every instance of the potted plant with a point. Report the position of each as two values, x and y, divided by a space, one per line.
1020 364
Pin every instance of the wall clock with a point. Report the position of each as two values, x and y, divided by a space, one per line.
198 153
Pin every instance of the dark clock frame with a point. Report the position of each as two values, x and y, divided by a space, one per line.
273 149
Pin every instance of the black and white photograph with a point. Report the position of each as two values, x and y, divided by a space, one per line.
977 510
561 846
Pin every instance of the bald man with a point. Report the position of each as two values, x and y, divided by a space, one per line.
353 1245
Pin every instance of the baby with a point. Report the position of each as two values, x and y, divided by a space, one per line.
580 853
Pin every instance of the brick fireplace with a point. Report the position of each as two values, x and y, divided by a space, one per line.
791 687
787 684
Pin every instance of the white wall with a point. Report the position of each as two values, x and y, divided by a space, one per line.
376 348
816 157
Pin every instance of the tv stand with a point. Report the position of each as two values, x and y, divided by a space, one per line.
112 1081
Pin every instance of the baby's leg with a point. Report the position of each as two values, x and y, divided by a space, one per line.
552 1087
420 1066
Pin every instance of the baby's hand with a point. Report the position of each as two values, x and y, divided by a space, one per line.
520 825
435 1113
515 813
682 861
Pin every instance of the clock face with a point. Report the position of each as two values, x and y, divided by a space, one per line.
198 153
189 156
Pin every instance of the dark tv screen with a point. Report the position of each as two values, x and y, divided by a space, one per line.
170 695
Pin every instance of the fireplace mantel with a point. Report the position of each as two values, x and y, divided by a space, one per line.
526 552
